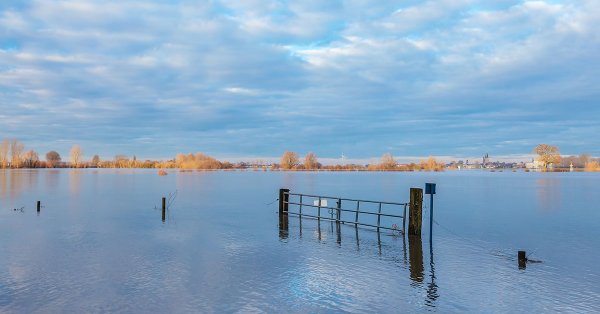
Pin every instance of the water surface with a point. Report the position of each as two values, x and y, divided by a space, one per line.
99 244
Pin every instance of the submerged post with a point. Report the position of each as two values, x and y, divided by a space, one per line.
164 208
415 211
39 206
284 198
522 259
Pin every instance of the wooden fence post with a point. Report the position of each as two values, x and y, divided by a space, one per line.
522 259
415 211
164 208
284 198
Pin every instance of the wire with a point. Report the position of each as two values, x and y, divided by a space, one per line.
272 202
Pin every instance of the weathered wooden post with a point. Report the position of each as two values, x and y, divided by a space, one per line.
164 208
284 198
415 211
39 206
522 259
338 212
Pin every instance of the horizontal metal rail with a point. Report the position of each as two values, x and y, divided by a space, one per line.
345 210
349 222
338 210
346 199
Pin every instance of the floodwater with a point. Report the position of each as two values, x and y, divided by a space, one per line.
99 244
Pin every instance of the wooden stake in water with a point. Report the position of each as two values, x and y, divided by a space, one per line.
522 259
164 208
415 211
39 206
284 198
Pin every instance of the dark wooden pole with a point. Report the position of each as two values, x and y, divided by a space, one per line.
39 206
284 198
164 208
522 259
415 211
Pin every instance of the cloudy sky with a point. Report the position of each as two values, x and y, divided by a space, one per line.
254 78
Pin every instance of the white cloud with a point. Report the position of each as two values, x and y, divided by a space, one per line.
356 76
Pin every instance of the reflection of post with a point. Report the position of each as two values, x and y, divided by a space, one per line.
415 250
432 288
319 229
338 213
338 231
404 248
284 226
357 240
379 242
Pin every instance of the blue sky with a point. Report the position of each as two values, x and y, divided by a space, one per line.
254 78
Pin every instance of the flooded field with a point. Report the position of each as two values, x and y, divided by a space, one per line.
99 244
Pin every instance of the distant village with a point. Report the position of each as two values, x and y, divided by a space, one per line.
14 155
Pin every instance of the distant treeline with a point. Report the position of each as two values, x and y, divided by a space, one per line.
14 155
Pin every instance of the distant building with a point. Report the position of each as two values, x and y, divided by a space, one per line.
534 164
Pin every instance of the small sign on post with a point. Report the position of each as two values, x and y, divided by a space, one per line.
430 189
323 203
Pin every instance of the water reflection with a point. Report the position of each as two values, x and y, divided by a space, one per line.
412 259
432 288
51 179
13 182
548 194
415 249
283 226
74 181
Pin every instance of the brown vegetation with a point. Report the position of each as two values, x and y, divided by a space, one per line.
13 155
431 164
197 161
547 155
76 155
310 161
52 159
289 160
592 166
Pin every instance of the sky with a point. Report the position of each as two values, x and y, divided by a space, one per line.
252 79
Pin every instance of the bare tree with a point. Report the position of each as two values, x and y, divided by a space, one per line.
387 162
310 161
289 160
16 153
76 155
4 149
95 161
31 159
547 154
52 159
